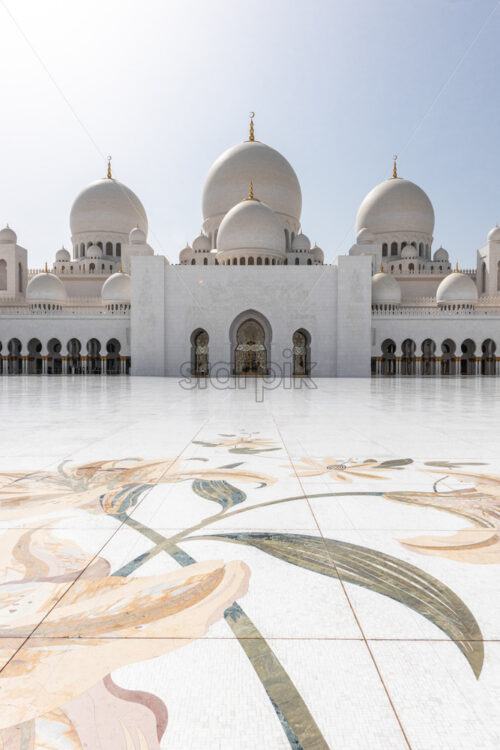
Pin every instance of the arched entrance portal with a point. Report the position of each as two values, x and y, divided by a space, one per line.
301 352
250 355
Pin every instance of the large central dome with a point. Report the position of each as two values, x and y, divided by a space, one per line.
273 178
107 205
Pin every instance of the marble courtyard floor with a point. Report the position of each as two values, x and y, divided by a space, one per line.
204 569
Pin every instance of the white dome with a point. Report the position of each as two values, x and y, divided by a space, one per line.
301 243
186 253
493 234
456 288
116 288
409 252
7 236
318 253
202 244
46 286
385 290
364 236
273 179
107 206
63 255
94 251
396 205
251 225
137 237
441 255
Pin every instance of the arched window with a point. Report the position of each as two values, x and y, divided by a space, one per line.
82 250
483 277
205 261
15 362
20 277
394 248
242 261
266 262
109 248
259 261
3 274
235 261
193 262
297 261
74 359
384 249
309 262
118 249
287 239
99 244
199 353
251 261
92 268
403 244
421 249
273 262
411 268
301 341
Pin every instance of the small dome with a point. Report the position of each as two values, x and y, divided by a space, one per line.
94 251
116 288
186 253
396 205
137 237
63 255
7 236
441 255
364 236
456 288
318 253
273 177
409 252
107 206
301 243
251 225
202 244
46 286
385 290
493 234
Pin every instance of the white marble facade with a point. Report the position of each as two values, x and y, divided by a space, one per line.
251 295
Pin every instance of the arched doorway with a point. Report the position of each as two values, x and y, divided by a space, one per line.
408 359
428 357
301 352
54 360
113 357
93 357
468 361
74 359
35 366
388 357
448 364
250 355
488 363
199 353
15 362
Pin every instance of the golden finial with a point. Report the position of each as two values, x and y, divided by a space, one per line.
456 267
381 267
46 267
250 192
252 132
109 168
121 269
395 167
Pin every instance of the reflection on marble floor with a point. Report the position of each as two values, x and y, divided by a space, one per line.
213 571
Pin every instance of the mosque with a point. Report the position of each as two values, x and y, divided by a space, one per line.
251 295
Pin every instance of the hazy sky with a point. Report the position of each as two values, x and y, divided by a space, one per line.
338 87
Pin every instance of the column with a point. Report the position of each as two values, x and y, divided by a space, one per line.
103 365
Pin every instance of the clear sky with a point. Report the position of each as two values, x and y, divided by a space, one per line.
338 87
